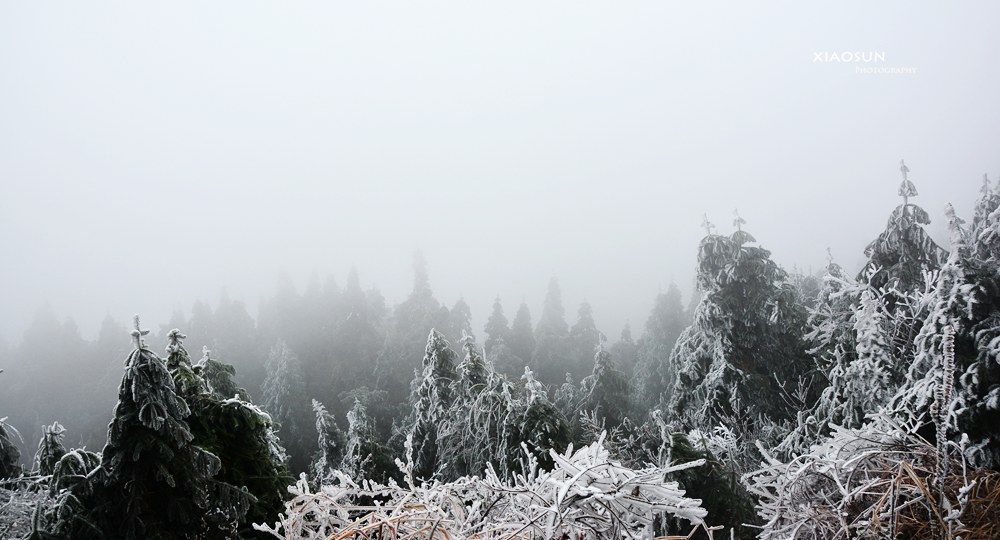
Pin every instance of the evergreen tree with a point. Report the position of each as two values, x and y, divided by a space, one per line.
551 358
457 433
433 399
900 255
157 481
583 339
251 482
522 336
654 375
459 322
364 455
567 399
744 347
605 390
496 326
332 444
626 350
218 377
543 427
284 397
966 304
830 335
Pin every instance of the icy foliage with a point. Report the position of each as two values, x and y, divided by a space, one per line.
9 454
874 482
50 448
331 441
585 495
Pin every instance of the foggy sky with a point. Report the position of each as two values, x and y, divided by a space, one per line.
152 154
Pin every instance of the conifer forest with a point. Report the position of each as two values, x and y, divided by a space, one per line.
506 292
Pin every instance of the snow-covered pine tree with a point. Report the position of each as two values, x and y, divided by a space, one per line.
653 376
567 399
482 427
284 398
605 391
250 485
831 337
219 377
50 448
898 258
331 442
433 400
543 427
157 482
364 456
496 326
522 336
966 298
745 344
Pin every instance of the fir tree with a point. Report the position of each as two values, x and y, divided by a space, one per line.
284 397
567 399
744 346
551 358
496 326
157 481
459 321
522 336
966 302
605 390
653 376
543 427
331 442
626 350
433 399
583 339
900 255
364 455
250 484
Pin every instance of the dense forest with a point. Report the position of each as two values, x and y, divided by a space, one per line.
851 403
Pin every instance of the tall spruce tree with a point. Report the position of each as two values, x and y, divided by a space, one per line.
284 398
626 350
251 482
583 339
551 356
157 481
496 326
744 347
522 336
332 443
966 303
605 391
654 376
433 400
898 258
543 426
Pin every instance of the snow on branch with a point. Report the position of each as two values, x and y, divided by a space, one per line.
586 495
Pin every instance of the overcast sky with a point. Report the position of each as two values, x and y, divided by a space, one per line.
153 153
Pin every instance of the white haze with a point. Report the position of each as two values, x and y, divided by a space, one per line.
152 154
